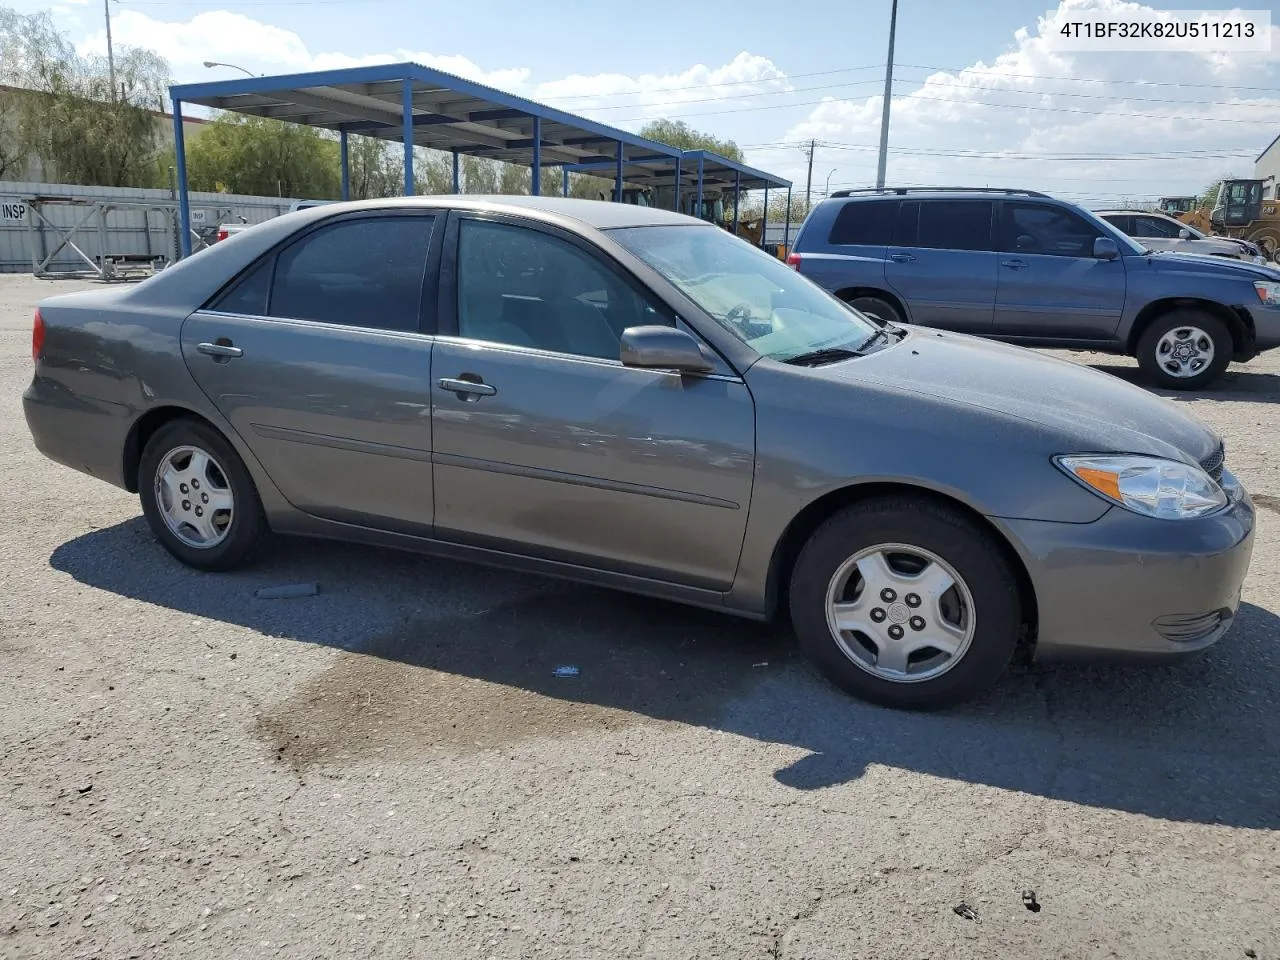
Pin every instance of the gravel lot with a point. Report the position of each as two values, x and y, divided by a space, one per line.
391 769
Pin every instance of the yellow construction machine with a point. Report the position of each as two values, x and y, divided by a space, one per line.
1240 212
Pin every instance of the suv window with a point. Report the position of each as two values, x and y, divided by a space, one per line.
1155 227
944 224
1038 228
524 287
1121 222
365 272
864 222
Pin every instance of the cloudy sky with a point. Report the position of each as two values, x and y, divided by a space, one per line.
981 95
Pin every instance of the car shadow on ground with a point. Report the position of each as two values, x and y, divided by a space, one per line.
1236 384
1196 741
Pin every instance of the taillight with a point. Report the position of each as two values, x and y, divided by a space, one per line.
222 234
37 337
793 260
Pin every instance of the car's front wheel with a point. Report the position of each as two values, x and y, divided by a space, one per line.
876 307
906 602
198 497
1185 350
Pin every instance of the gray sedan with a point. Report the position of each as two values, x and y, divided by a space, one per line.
637 399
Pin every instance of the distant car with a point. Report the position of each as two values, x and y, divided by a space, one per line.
1019 266
633 398
226 230
1159 232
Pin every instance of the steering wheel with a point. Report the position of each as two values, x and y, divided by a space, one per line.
740 314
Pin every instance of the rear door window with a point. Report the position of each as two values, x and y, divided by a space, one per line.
367 272
864 223
955 225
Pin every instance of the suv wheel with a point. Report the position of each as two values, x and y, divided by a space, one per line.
1185 349
876 307
905 602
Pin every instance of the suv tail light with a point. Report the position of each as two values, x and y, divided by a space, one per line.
37 337
793 261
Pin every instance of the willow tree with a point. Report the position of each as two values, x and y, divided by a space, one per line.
68 114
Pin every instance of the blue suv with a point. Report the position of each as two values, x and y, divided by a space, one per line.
1023 267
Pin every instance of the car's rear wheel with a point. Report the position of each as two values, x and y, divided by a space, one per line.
876 307
198 497
906 602
1185 349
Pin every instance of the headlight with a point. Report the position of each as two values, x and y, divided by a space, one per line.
1268 292
1151 486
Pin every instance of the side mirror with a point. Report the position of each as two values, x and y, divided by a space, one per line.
666 348
1104 248
1184 234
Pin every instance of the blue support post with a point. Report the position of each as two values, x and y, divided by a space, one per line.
344 159
184 202
764 225
457 177
786 231
677 208
407 110
537 157
565 186
737 196
698 208
617 187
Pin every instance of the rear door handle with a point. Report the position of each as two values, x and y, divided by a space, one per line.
1015 264
467 388
220 350
902 257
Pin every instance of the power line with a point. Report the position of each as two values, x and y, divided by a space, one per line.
975 103
1043 76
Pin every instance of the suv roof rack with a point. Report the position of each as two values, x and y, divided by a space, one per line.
899 191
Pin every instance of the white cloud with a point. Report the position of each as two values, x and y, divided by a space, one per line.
1030 100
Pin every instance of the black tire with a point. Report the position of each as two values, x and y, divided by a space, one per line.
247 525
1210 327
876 307
959 542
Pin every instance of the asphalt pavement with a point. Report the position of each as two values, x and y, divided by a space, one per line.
393 768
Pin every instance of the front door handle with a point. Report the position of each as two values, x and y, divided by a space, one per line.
902 257
221 350
1015 264
467 389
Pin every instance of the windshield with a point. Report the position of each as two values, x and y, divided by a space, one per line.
757 298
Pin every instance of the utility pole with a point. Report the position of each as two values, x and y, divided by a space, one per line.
808 184
111 57
888 98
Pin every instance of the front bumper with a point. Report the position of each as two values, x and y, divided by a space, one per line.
1266 326
1131 587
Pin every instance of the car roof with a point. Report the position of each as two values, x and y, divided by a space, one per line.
599 214
1135 213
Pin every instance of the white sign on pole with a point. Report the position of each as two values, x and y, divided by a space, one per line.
13 209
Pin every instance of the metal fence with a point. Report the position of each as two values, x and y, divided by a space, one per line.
36 218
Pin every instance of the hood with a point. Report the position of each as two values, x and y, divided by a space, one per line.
1214 266
1087 410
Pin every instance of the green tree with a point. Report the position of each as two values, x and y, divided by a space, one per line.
375 168
69 116
677 133
1210 194
264 157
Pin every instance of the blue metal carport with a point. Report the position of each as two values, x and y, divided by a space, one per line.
419 106
698 170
